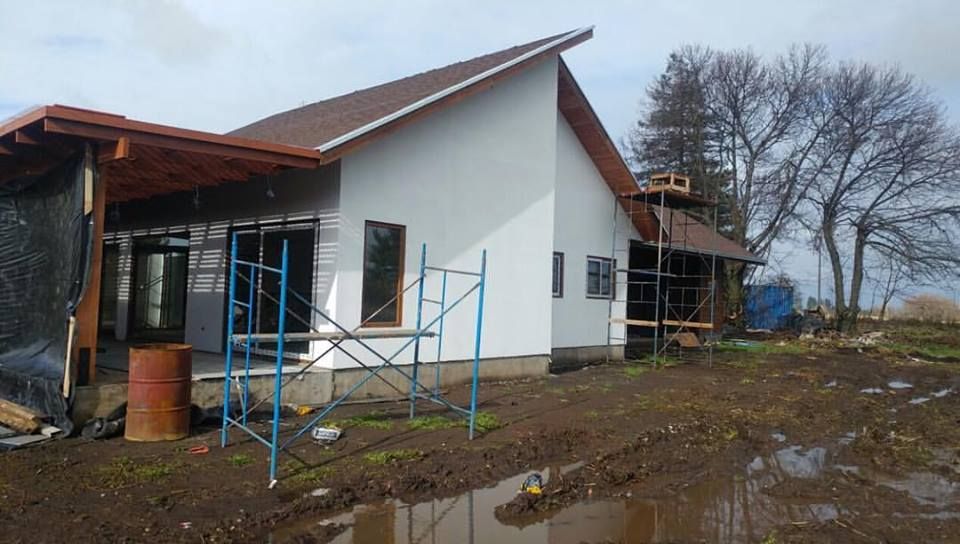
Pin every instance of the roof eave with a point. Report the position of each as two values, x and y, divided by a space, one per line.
752 259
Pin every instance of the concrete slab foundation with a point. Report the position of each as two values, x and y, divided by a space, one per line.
570 358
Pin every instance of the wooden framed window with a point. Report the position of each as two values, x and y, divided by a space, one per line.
557 274
599 277
383 254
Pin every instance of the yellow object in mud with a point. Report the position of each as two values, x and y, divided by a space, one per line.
304 410
532 485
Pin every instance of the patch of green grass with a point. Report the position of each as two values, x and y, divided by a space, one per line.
432 423
765 348
373 420
486 422
923 350
592 414
312 475
240 459
634 370
123 471
391 456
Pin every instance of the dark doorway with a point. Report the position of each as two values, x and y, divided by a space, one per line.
683 283
159 292
264 244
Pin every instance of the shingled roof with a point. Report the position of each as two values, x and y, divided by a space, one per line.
690 235
323 123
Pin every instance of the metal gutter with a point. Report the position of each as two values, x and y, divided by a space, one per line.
423 102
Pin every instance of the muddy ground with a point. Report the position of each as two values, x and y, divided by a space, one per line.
783 441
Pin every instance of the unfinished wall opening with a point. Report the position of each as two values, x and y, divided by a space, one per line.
684 288
263 244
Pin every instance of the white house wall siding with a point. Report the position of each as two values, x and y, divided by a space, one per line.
583 209
479 174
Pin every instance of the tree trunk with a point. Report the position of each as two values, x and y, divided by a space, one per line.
735 293
849 321
836 266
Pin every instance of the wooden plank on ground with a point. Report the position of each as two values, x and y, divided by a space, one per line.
19 418
688 340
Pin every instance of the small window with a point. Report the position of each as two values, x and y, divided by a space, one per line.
558 274
382 274
599 277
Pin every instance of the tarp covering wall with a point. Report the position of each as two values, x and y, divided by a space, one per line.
768 306
45 238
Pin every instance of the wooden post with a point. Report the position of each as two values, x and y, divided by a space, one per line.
88 312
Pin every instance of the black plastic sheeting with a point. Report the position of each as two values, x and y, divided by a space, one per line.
45 243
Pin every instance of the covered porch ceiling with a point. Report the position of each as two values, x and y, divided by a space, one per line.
137 159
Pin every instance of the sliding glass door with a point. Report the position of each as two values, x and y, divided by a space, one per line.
160 287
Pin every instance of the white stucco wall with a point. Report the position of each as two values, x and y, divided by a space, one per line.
479 174
584 208
300 195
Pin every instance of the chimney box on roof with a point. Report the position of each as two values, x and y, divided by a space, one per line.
671 182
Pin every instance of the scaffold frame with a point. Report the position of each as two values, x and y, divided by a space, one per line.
671 317
337 339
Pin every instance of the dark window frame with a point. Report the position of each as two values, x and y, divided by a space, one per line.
400 273
557 293
610 282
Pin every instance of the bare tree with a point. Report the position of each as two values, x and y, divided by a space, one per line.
891 278
740 123
885 173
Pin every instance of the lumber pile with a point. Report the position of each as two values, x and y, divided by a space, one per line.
19 418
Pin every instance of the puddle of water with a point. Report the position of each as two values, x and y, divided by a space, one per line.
926 488
898 384
935 395
735 509
831 383
872 390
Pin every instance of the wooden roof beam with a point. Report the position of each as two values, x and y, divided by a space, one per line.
114 151
153 139
24 138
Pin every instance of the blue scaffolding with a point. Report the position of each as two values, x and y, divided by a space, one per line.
248 339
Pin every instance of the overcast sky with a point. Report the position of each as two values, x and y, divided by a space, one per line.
218 65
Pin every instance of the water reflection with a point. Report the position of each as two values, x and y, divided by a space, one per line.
734 509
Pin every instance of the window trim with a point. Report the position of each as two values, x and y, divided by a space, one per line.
556 254
363 268
610 262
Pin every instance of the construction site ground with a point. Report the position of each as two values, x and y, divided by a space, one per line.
780 440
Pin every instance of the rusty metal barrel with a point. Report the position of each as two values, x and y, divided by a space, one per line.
158 392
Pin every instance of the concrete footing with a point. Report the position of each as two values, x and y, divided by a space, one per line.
319 386
575 357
